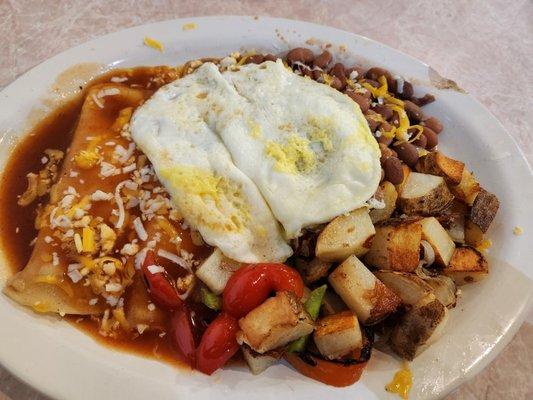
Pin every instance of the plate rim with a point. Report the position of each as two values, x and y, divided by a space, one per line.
479 366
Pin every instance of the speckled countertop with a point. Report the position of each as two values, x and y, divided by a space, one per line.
484 45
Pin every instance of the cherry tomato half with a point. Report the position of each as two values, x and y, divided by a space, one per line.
182 334
162 291
218 344
328 372
250 286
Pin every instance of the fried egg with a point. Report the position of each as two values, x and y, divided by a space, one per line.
240 150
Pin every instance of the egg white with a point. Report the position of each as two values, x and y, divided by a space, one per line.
295 150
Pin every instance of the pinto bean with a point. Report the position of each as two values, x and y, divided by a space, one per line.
322 60
361 100
386 152
300 54
337 83
414 112
360 72
393 170
422 101
407 153
339 72
432 138
434 124
386 112
421 141
375 72
255 59
407 91
372 124
270 57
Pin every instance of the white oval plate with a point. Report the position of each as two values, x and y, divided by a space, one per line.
66 364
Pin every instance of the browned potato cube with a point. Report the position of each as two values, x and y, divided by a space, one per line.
436 163
396 245
260 362
389 196
346 235
313 270
362 291
338 334
467 189
473 234
466 266
484 209
424 194
276 322
409 287
216 270
439 240
406 172
418 328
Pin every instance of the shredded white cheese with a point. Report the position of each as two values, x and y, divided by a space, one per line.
97 101
93 301
108 92
113 287
174 258
155 269
139 228
118 79
101 196
75 276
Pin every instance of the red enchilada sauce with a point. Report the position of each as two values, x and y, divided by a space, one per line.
17 223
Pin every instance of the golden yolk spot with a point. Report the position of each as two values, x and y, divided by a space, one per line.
402 382
293 157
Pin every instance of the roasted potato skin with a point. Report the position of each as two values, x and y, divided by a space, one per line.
484 209
396 245
467 266
416 327
409 287
436 163
313 270
467 189
431 203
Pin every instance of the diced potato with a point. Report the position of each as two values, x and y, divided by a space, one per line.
346 235
424 194
389 196
409 287
444 290
438 238
406 172
467 189
396 245
418 328
332 304
313 270
338 334
473 234
436 163
216 270
453 220
260 362
276 322
466 266
484 209
362 291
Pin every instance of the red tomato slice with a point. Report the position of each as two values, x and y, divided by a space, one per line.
250 286
218 344
182 334
162 291
328 372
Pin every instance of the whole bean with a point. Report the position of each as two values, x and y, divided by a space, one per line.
421 141
372 123
375 72
408 153
300 54
386 112
255 59
338 70
372 83
407 91
337 83
384 140
322 60
432 138
422 101
270 57
362 101
316 75
393 170
414 112
360 72
434 124
386 152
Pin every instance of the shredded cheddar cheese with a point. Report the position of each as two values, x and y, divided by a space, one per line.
402 382
154 44
484 245
189 26
517 231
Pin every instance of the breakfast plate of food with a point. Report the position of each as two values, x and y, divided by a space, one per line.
250 207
